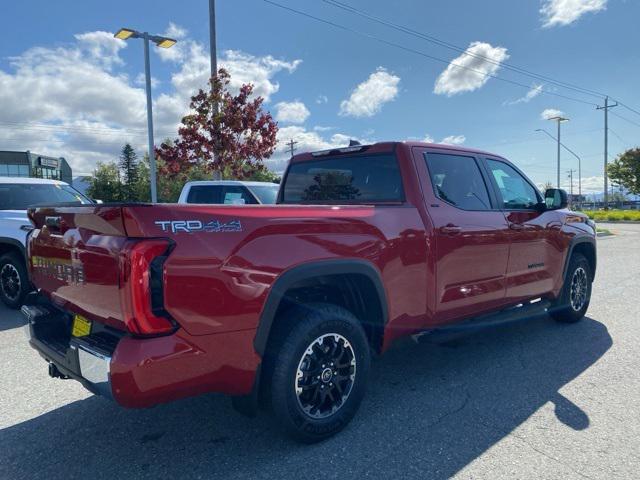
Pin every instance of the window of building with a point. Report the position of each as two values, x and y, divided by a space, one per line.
457 180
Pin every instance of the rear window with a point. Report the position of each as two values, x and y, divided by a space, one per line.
21 196
357 179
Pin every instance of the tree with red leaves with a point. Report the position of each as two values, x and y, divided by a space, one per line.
225 133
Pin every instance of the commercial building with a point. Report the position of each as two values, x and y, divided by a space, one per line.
27 164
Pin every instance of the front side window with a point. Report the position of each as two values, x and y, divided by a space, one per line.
457 180
517 193
347 180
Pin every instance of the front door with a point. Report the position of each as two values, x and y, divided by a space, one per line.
535 250
471 247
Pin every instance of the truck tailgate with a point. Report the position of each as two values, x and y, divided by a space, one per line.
75 259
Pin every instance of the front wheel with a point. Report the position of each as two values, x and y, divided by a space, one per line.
576 291
14 282
320 372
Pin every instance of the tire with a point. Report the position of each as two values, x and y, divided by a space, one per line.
319 371
574 299
14 282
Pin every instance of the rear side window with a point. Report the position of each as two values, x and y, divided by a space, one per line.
457 180
358 179
220 195
517 193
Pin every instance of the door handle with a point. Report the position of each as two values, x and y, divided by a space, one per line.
450 229
516 226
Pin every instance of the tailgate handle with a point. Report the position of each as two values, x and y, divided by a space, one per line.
53 222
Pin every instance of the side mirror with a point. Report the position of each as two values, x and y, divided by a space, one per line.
98 201
556 198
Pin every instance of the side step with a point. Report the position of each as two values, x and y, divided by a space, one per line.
523 311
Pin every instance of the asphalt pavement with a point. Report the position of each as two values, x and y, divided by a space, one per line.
529 400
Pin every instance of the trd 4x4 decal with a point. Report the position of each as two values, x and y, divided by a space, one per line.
191 226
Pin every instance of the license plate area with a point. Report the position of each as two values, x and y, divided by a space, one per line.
81 327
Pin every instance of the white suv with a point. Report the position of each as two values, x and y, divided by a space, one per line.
16 195
230 192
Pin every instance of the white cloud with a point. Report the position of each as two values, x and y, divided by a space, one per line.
320 128
320 99
292 112
76 102
550 113
471 70
449 140
101 47
454 140
368 97
564 12
534 91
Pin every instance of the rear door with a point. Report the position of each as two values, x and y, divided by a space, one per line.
471 248
535 248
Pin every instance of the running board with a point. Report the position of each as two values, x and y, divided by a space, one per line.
523 311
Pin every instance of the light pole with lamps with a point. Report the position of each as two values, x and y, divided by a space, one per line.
162 42
575 155
558 119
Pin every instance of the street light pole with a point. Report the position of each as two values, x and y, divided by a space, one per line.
572 153
162 42
152 154
558 119
212 37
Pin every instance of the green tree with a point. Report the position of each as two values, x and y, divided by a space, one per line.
169 186
625 170
105 184
129 167
265 176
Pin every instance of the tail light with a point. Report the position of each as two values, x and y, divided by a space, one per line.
141 283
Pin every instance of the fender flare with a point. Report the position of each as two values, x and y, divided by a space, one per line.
577 240
308 271
15 243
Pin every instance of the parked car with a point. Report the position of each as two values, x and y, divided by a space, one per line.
285 305
229 192
16 195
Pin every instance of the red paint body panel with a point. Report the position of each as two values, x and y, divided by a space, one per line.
216 284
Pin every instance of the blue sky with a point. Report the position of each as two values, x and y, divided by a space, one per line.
67 88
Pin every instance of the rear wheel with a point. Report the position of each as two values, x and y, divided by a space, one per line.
320 370
14 283
576 291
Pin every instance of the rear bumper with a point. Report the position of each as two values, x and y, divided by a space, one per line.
84 361
141 372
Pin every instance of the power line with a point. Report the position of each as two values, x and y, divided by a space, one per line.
418 52
625 119
445 44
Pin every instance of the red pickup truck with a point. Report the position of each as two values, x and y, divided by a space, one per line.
284 305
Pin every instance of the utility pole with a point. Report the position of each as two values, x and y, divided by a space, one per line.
291 144
570 172
606 146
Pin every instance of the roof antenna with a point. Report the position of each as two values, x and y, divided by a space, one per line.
354 143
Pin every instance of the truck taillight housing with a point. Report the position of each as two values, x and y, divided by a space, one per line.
141 283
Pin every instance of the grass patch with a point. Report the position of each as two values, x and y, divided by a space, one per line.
614 215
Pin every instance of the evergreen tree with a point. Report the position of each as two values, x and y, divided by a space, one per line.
129 168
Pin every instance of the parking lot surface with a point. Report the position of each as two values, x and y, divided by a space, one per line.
530 400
